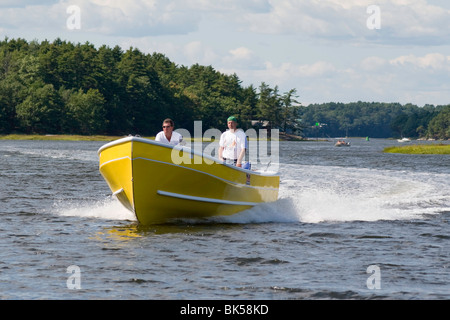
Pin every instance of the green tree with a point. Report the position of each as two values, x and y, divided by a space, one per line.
289 111
40 111
269 105
7 108
76 88
248 107
10 95
439 127
142 98
86 112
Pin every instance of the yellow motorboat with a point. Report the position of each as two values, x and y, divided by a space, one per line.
160 182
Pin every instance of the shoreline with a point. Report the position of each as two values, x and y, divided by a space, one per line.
420 149
282 137
75 137
58 137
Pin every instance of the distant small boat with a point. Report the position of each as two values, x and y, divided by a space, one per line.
342 143
404 140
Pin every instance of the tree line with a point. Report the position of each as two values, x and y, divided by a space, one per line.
61 87
376 119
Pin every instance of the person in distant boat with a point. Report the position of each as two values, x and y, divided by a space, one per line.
169 136
232 143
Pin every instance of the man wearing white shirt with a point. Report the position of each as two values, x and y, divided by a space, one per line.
169 136
232 143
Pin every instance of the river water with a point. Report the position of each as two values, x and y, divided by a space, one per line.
350 223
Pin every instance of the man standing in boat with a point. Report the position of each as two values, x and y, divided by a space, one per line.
169 136
232 143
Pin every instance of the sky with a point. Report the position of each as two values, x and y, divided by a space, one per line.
328 50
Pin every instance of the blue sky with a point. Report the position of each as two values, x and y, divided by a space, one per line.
323 48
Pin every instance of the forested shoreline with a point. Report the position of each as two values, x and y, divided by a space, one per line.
377 120
61 87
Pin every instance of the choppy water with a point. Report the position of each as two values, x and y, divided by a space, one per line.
341 211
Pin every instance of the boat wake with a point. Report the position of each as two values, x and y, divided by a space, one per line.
314 194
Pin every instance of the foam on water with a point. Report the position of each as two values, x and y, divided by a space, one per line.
108 208
314 194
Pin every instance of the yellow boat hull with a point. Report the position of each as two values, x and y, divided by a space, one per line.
145 179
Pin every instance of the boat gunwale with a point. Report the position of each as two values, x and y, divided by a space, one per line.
199 171
185 149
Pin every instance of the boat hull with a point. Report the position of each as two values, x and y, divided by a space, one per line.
148 181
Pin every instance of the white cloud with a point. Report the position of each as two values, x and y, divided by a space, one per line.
23 3
241 53
108 17
138 18
290 70
402 21
197 52
30 16
372 63
432 62
241 58
405 79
